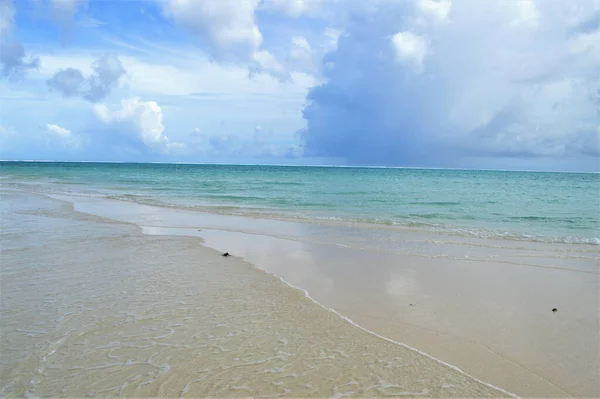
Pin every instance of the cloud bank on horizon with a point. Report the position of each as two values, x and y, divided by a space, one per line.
433 83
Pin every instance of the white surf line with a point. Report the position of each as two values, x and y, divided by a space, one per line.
487 349
349 321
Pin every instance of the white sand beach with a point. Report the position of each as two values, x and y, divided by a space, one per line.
123 300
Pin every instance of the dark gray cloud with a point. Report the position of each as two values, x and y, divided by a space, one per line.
67 81
108 69
15 62
588 25
70 82
443 93
13 59
366 111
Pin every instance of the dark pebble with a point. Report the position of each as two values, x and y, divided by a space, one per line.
554 310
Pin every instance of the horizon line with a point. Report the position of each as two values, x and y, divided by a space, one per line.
304 165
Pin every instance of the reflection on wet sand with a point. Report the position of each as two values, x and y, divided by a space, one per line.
490 318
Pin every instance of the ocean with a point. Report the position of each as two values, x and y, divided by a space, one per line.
341 281
531 206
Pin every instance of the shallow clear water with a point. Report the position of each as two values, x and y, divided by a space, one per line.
552 207
94 308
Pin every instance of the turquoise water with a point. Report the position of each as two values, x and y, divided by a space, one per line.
553 207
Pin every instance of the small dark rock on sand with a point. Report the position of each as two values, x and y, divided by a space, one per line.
554 310
226 254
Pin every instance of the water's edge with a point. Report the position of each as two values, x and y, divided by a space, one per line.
341 316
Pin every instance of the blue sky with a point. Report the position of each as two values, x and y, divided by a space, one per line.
434 83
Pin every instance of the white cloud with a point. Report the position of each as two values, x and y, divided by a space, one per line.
141 120
200 75
227 28
198 94
7 17
437 10
227 31
58 135
57 130
410 48
265 62
301 55
527 13
300 43
332 36
586 45
293 8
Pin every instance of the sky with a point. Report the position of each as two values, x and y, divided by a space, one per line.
488 84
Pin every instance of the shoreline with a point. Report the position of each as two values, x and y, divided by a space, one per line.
425 217
466 351
354 324
277 318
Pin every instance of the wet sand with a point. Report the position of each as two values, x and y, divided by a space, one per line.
482 305
492 319
94 307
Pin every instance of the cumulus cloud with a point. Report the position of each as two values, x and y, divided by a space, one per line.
227 28
293 8
264 61
437 10
68 82
108 70
527 13
133 128
13 58
331 39
58 135
301 55
487 87
410 48
138 120
57 130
